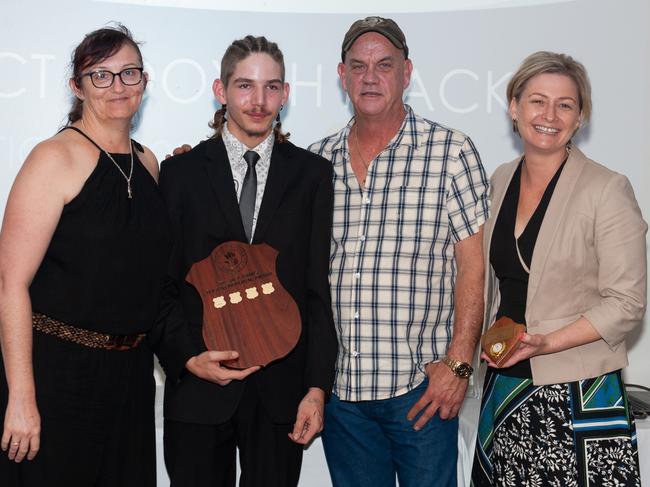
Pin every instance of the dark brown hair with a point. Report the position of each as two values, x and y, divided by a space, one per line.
95 47
236 52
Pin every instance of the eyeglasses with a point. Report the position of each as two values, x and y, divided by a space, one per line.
104 79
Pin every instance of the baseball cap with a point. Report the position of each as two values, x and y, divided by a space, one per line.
386 27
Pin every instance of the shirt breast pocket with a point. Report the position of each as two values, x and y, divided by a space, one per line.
410 212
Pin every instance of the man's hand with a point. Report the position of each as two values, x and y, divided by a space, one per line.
309 420
445 393
180 150
207 365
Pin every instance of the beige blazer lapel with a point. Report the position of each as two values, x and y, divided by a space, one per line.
553 219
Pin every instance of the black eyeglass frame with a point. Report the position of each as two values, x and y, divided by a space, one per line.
134 68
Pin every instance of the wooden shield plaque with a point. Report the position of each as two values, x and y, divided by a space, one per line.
501 339
245 307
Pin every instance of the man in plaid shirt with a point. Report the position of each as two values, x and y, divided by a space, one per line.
410 199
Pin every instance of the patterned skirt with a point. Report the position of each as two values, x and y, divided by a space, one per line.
574 434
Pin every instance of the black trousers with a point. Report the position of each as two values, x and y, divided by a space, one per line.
97 418
199 455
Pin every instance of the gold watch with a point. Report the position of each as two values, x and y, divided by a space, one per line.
460 369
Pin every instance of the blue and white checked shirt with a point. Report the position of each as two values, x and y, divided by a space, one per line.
392 268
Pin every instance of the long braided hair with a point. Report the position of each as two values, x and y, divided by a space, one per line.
236 52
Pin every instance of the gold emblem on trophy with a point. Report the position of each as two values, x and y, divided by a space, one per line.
245 306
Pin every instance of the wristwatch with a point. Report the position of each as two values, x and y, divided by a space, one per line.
460 369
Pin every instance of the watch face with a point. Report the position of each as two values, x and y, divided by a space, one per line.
464 370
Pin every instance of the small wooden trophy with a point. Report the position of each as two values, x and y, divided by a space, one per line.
501 340
245 307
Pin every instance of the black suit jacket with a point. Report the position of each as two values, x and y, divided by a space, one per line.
295 218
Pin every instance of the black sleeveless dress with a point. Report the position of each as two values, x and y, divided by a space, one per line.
103 271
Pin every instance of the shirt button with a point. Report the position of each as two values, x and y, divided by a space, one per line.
366 201
362 238
357 275
355 353
356 314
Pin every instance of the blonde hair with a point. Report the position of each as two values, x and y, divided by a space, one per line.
542 62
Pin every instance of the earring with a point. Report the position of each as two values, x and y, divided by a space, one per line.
515 128
277 118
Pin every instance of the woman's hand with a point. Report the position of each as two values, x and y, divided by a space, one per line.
529 346
575 334
21 436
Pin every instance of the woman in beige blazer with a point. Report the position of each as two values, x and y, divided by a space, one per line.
566 247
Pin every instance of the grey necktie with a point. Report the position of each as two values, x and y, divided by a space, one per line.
249 193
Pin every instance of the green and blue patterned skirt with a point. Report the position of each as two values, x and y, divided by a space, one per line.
574 434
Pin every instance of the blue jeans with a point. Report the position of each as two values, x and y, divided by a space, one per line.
367 443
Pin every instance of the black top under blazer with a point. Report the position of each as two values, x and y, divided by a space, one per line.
295 218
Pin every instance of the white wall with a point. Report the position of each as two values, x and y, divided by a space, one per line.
463 52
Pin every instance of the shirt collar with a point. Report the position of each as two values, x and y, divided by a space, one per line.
407 135
237 148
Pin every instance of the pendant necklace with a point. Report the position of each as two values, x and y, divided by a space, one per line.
358 147
127 178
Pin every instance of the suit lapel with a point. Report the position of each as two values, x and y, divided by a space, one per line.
276 182
221 179
557 207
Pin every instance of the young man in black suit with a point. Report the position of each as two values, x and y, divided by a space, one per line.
280 195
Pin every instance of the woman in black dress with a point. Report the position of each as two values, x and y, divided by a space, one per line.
83 252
